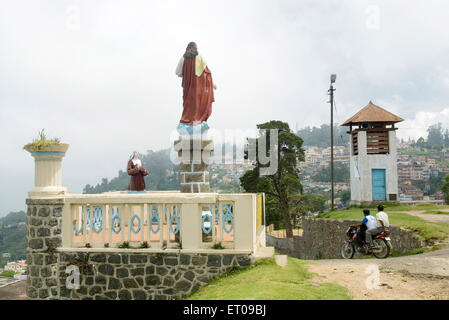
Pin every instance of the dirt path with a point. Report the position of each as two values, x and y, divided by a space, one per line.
439 218
423 276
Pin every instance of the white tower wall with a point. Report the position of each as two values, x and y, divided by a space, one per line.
361 181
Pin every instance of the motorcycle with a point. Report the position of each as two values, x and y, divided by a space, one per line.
381 249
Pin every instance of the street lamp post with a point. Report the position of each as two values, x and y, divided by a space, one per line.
331 93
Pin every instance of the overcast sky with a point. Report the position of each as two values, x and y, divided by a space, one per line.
100 74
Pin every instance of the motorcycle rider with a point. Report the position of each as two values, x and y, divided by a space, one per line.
382 225
368 223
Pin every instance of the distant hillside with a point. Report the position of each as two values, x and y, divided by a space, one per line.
321 136
13 236
13 218
164 175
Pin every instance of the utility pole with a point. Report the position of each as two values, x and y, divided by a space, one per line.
331 94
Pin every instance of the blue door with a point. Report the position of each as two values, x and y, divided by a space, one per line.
378 183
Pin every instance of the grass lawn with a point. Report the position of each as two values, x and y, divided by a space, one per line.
427 230
437 212
265 280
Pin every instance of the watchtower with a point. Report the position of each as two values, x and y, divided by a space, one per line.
373 159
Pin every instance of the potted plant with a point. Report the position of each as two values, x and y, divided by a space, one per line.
48 154
42 144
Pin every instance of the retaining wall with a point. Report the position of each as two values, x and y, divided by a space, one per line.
323 238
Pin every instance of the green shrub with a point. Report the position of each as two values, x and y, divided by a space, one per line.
217 246
144 245
7 273
124 245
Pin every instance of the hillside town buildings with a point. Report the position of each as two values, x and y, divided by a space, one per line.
419 171
19 266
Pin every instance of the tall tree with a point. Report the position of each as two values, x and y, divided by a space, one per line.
435 138
283 188
446 138
445 189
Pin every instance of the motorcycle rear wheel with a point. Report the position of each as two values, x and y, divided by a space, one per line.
347 250
385 249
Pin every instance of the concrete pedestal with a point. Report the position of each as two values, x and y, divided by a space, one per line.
48 170
194 156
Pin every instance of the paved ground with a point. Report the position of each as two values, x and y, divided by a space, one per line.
14 291
5 281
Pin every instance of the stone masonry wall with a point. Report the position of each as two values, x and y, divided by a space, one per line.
143 276
44 235
111 274
323 238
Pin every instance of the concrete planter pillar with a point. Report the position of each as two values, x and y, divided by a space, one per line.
194 156
48 170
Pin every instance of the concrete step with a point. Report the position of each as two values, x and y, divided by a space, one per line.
263 252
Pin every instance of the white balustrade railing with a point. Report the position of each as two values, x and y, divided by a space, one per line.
162 220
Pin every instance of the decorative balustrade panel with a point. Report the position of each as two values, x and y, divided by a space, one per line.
121 225
217 225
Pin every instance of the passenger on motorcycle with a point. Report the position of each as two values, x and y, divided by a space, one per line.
382 225
368 223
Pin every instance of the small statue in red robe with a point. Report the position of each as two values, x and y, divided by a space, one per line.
137 173
198 90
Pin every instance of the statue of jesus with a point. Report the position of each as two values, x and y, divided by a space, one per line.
198 91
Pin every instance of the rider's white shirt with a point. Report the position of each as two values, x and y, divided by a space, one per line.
371 222
382 216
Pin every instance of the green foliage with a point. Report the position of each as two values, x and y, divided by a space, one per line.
341 173
164 175
321 137
13 218
345 196
13 236
41 142
265 280
7 273
445 189
124 245
217 246
436 182
282 189
311 203
437 138
144 245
